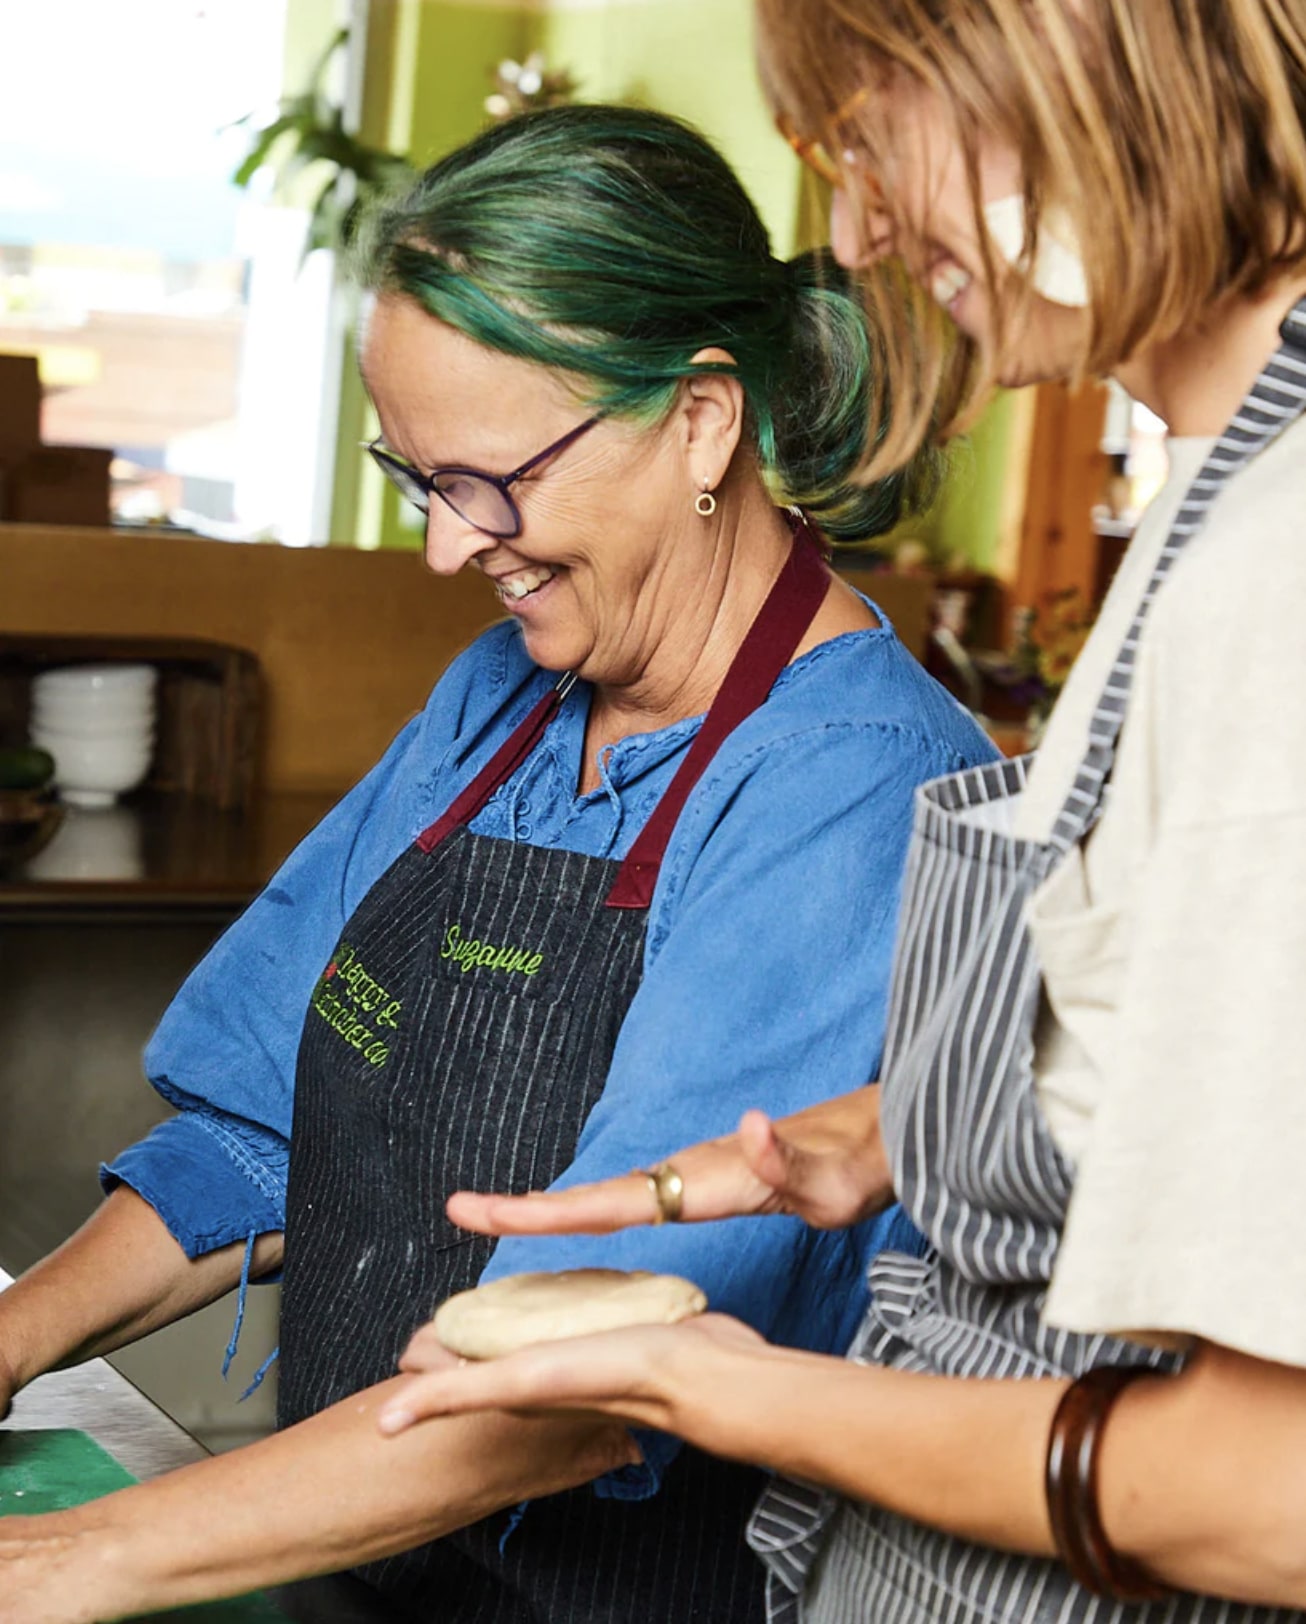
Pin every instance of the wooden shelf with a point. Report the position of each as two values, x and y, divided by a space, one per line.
209 709
156 853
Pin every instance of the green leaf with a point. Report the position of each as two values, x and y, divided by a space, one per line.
257 155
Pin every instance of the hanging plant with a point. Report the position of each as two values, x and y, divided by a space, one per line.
309 128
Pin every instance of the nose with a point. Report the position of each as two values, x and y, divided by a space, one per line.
861 231
452 543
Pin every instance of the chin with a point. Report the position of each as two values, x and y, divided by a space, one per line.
1021 373
1049 351
551 652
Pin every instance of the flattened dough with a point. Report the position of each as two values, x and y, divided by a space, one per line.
523 1308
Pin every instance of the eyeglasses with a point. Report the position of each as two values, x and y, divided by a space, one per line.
481 500
812 151
809 150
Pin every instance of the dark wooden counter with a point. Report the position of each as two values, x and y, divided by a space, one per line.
160 854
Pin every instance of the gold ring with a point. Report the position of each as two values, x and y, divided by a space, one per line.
668 1191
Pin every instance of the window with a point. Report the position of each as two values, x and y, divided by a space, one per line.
172 317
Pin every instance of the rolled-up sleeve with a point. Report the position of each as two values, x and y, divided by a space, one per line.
212 1180
224 1052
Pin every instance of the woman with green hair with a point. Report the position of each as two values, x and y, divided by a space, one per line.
635 865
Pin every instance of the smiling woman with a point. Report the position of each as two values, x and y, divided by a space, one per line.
583 908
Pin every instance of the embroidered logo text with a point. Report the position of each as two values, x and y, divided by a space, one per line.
356 1006
469 953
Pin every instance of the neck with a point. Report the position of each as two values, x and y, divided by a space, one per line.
720 577
1196 381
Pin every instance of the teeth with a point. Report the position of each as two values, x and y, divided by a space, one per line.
947 283
524 582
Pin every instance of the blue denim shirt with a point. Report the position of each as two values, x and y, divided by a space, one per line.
766 961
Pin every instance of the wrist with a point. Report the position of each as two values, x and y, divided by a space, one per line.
713 1394
19 1363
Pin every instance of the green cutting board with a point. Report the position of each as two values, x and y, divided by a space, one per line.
51 1471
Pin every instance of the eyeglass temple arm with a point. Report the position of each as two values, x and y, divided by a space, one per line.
551 450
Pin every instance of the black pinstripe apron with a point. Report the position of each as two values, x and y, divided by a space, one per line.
974 1163
458 1039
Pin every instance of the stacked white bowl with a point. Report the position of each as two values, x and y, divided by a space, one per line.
97 721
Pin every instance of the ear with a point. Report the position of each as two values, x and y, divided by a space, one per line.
713 412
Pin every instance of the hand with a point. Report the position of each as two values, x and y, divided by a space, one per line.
825 1164
637 1376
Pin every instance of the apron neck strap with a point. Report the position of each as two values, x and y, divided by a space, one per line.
781 623
500 767
1273 404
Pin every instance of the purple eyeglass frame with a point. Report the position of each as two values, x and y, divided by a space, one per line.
404 477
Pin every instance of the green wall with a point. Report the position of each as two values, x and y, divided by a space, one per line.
965 527
693 58
430 72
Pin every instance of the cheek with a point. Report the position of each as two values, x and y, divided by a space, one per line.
845 231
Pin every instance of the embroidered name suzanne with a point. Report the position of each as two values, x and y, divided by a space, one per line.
470 954
354 1004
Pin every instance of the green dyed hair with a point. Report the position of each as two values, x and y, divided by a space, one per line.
615 243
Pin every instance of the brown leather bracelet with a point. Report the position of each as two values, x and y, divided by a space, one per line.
1074 1445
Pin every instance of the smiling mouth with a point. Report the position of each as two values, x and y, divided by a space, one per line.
521 583
947 282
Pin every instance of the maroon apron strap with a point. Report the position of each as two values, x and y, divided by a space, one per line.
500 767
781 624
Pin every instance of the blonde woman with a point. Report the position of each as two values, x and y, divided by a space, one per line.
1089 1402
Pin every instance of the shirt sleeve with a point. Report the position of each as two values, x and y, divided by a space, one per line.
224 1052
766 984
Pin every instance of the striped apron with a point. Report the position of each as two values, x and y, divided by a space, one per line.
458 1038
974 1163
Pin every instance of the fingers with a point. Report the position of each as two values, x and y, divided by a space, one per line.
764 1150
718 1183
588 1209
797 1178
825 1164
606 1374
498 1384
425 1351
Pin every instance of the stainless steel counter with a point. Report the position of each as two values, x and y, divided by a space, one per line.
93 1398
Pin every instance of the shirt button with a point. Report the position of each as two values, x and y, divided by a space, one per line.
524 831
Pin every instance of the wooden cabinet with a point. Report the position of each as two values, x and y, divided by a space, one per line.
1060 544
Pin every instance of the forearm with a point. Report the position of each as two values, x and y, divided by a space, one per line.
965 1456
1202 1477
322 1496
119 1277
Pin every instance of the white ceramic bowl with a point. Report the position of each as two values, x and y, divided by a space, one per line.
96 701
96 722
93 772
97 679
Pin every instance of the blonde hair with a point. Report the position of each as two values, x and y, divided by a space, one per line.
1170 132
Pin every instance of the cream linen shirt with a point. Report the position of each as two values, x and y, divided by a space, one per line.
1170 1058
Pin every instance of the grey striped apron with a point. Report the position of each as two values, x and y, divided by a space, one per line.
458 1038
974 1163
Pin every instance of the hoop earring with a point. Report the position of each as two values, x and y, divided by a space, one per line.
705 503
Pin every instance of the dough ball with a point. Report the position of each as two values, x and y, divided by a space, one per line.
520 1309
